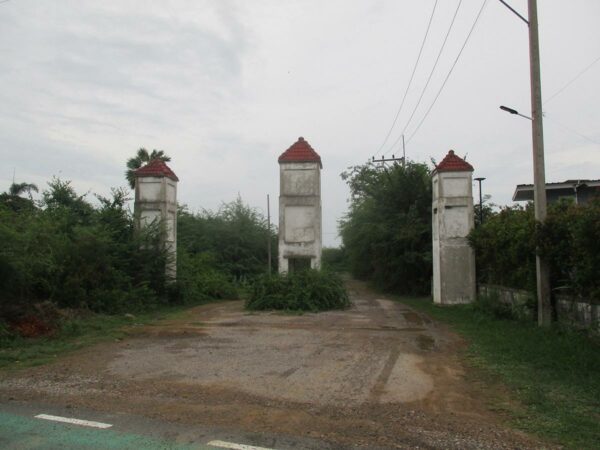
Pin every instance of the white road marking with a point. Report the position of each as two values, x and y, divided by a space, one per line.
223 444
85 423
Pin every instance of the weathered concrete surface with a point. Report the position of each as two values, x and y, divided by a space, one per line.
452 220
378 375
300 223
156 201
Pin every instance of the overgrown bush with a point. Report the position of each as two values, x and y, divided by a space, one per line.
308 290
234 238
73 254
387 230
505 247
570 239
198 279
334 259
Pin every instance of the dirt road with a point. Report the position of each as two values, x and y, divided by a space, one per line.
378 375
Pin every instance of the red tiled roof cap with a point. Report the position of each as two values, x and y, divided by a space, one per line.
300 151
453 163
156 168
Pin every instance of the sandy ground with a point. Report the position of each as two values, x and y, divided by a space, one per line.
378 375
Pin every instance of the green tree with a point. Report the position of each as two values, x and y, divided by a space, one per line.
20 188
13 199
236 237
142 157
387 230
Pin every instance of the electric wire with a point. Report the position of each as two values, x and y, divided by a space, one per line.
563 126
571 82
428 79
450 72
411 77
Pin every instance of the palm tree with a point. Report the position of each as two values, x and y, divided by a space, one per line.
16 189
142 157
12 198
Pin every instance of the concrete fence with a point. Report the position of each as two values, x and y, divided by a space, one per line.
579 313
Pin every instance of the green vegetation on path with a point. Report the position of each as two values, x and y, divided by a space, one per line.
308 290
553 373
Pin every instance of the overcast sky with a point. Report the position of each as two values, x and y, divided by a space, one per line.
224 87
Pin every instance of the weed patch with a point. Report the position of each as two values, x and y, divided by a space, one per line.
73 333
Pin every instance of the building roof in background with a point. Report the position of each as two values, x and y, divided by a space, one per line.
156 168
453 163
524 192
300 151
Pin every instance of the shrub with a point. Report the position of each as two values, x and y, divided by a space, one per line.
505 248
506 244
236 237
334 259
387 230
199 280
77 255
309 290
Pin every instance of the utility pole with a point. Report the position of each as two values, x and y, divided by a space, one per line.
480 179
539 177
403 152
269 231
383 159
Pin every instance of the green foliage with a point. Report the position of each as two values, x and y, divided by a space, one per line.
505 248
387 231
13 200
77 255
141 158
234 238
198 279
20 188
569 238
553 372
307 290
334 259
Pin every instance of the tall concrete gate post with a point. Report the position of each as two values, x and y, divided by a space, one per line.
452 220
300 232
156 202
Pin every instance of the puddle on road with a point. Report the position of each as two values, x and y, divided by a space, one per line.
413 318
425 342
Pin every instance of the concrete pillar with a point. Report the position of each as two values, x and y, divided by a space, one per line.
156 202
453 218
300 241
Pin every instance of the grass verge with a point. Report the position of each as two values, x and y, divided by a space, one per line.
77 333
553 373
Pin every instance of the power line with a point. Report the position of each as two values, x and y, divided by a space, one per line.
571 82
411 78
450 72
572 131
428 78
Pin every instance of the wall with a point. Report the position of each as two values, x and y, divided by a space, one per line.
578 313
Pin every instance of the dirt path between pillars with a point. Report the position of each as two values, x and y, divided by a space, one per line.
378 375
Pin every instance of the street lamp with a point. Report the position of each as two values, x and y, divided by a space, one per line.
539 175
480 179
513 111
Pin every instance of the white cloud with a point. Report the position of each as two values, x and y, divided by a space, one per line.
226 86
